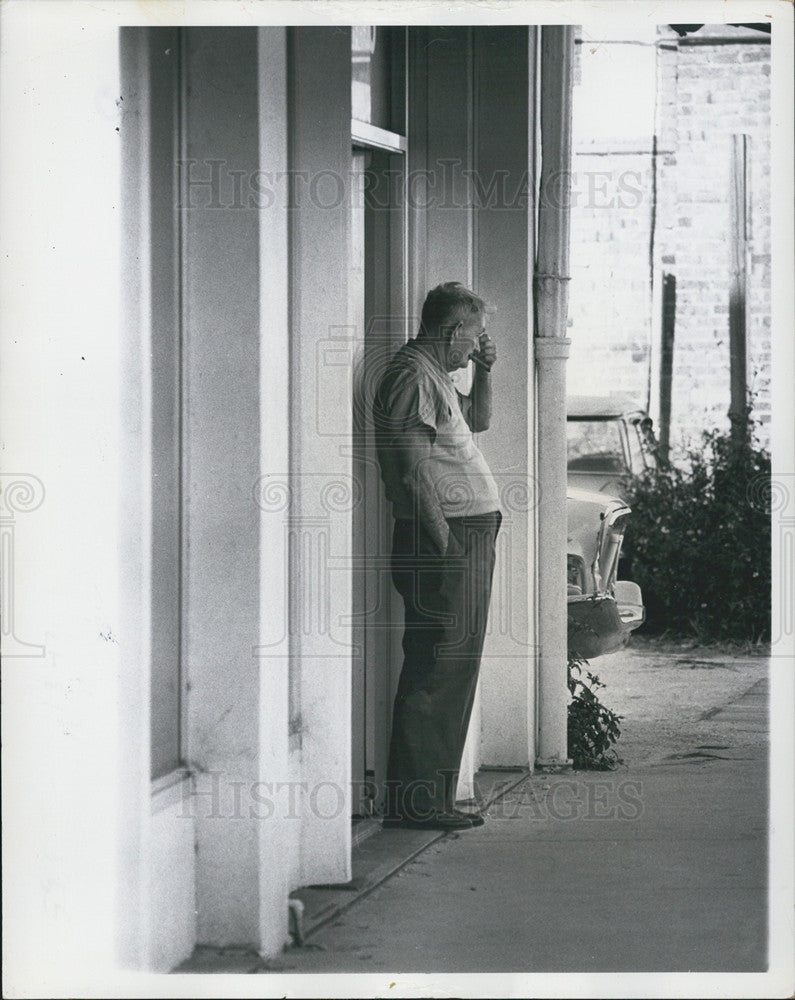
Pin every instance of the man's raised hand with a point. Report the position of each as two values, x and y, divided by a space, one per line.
486 355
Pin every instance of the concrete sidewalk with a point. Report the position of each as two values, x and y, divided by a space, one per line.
655 867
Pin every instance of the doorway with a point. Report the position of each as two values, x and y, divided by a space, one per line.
380 326
166 116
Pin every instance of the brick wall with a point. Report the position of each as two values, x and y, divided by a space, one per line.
705 94
610 306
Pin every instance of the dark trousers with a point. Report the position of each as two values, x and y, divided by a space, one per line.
446 601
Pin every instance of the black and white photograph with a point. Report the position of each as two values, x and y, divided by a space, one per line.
397 498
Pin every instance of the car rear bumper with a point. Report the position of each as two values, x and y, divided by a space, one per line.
599 625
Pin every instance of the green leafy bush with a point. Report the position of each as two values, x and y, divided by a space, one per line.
592 728
699 539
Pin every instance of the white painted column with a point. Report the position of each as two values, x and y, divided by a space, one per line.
552 350
223 387
278 835
321 421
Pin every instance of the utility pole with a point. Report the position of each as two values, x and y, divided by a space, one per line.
666 364
738 239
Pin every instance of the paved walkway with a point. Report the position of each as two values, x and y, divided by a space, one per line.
659 866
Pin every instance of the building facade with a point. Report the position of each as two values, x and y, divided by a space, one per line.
260 212
327 178
653 197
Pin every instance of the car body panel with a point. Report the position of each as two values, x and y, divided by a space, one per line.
602 611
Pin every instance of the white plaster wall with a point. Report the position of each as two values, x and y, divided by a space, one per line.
134 509
238 875
505 251
445 250
171 879
156 902
472 130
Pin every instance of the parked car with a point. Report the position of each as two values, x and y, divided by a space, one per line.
608 438
602 611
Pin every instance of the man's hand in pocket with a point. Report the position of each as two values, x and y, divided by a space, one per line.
454 547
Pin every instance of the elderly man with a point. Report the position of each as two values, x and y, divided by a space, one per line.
446 509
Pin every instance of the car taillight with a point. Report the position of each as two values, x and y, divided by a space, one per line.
575 574
610 551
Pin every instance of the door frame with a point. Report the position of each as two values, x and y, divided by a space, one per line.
376 659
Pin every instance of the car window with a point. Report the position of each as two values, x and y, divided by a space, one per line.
636 452
595 446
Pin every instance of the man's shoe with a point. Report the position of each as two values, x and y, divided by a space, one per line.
437 821
476 818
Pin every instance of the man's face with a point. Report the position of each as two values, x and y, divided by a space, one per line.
464 341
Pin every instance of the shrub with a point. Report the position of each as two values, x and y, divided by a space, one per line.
592 728
699 539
